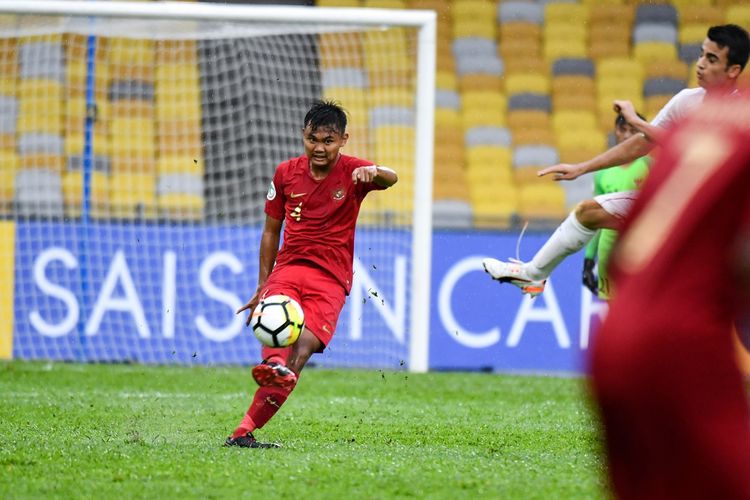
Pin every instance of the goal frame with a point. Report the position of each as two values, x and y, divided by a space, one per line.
424 21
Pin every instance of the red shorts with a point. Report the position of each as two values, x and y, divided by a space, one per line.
321 296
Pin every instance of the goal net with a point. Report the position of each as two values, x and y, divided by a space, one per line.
137 144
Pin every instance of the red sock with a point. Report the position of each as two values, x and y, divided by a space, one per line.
278 354
266 403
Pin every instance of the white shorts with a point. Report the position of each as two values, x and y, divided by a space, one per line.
617 204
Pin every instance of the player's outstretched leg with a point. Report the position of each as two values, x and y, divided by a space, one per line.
513 273
272 373
248 441
530 277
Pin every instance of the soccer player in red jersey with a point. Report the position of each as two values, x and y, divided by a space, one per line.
316 198
663 369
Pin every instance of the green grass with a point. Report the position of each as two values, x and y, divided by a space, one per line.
109 431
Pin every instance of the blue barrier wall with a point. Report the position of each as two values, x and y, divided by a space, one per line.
159 294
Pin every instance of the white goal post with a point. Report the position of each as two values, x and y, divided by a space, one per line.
220 21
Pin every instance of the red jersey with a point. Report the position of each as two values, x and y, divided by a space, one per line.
319 215
679 263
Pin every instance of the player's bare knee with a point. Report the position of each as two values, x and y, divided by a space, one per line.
589 214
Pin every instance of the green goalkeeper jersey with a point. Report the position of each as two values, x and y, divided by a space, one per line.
613 180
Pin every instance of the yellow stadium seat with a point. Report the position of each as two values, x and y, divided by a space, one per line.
76 74
653 105
572 85
181 206
180 164
619 67
331 55
575 102
473 9
646 52
55 163
568 48
684 3
391 96
384 4
519 31
494 205
72 184
480 82
489 157
179 137
541 201
519 50
623 86
706 15
527 82
482 117
132 71
132 52
74 144
132 137
533 136
692 33
484 100
528 120
603 48
75 116
592 139
446 80
133 195
489 174
739 14
178 72
176 51
572 13
666 69
133 165
479 27
445 117
573 121
131 108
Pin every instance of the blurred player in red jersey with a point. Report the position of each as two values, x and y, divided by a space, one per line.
663 368
316 197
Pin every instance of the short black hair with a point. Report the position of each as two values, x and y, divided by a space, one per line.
326 114
734 37
620 120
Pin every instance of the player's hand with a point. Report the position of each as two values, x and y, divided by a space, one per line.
626 109
562 171
250 306
590 280
364 174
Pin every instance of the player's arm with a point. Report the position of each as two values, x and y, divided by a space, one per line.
382 176
269 248
626 108
621 154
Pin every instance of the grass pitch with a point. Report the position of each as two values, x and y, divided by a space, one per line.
114 431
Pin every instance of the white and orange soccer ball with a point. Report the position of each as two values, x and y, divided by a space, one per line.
278 321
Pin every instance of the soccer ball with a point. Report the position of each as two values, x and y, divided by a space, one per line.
278 321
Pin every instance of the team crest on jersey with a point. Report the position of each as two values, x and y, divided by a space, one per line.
338 194
271 192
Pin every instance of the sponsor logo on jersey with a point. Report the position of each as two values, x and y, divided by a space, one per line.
271 192
297 212
296 195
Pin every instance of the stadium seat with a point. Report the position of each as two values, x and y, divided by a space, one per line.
447 99
564 12
656 13
571 121
739 14
180 196
480 82
43 60
647 52
451 214
480 27
476 117
74 143
662 86
9 165
528 119
530 101
666 69
132 137
537 136
132 195
705 15
487 136
329 48
573 66
654 103
518 83
98 163
517 11
8 66
72 185
38 193
655 32
494 205
541 201
176 52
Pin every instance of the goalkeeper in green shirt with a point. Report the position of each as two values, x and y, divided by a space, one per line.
611 180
